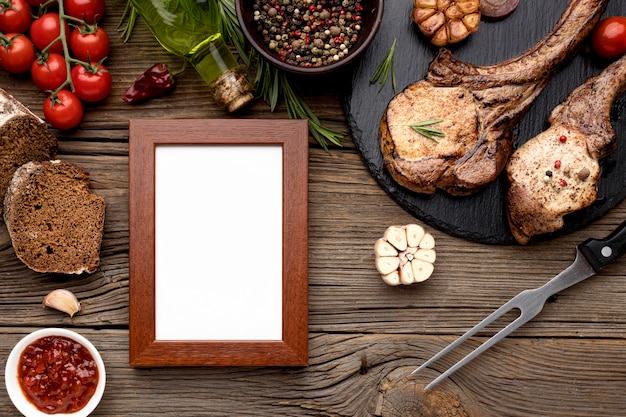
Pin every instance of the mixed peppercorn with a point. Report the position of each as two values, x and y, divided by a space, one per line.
309 33
582 174
557 165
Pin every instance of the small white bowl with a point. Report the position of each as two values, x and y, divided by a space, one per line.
16 394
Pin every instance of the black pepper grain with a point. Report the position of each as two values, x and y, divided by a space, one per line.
309 33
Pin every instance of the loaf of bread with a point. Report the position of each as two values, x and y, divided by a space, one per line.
54 220
24 137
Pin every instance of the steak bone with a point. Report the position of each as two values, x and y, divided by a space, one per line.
478 120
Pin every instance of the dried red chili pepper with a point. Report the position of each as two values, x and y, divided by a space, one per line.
155 81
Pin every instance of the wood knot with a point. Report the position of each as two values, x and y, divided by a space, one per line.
405 397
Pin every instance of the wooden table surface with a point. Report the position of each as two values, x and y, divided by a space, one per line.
364 337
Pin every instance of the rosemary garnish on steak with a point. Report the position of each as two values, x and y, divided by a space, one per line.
424 129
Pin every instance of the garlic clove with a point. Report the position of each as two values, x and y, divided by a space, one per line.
414 234
396 235
427 242
62 300
392 279
384 248
426 255
421 270
406 274
387 264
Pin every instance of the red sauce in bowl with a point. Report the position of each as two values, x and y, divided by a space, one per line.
57 374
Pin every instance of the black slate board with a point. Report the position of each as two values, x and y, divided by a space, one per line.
479 217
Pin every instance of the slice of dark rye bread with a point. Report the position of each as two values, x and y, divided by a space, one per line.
24 137
54 220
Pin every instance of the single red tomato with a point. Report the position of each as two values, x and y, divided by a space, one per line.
90 43
63 111
91 11
15 16
45 30
16 53
608 38
49 73
91 84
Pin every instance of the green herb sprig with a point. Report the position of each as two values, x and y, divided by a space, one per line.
229 26
272 84
424 129
127 22
386 65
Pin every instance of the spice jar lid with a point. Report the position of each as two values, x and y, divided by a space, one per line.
232 90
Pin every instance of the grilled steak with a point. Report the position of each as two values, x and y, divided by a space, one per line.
557 172
479 106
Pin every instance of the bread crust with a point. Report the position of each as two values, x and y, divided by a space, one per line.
54 220
24 137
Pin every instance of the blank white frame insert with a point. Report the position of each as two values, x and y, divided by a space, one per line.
218 242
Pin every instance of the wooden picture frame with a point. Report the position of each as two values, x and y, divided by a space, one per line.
194 186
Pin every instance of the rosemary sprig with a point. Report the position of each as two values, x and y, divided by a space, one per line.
127 22
229 27
424 129
382 71
272 84
298 109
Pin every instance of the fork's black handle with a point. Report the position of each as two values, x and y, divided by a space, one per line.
601 252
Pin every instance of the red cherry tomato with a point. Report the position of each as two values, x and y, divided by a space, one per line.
17 53
45 30
15 16
90 44
50 73
93 84
608 38
65 111
91 11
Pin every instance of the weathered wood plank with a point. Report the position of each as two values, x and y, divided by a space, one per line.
365 337
364 375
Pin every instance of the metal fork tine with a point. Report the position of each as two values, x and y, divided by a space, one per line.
505 308
480 349
530 302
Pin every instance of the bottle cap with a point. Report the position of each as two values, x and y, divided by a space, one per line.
232 90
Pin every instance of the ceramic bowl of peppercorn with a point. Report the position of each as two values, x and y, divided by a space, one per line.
310 36
55 371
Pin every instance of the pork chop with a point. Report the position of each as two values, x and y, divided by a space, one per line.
479 106
558 171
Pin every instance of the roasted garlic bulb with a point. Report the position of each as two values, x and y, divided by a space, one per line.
405 255
447 21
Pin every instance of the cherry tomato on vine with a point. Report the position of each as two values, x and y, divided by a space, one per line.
65 111
15 16
49 73
91 84
46 29
608 38
91 11
90 43
16 53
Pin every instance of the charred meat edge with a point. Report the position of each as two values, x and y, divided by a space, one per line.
526 213
502 94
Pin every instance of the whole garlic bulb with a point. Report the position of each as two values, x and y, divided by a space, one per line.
446 21
405 255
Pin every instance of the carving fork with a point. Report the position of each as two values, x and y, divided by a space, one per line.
591 256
